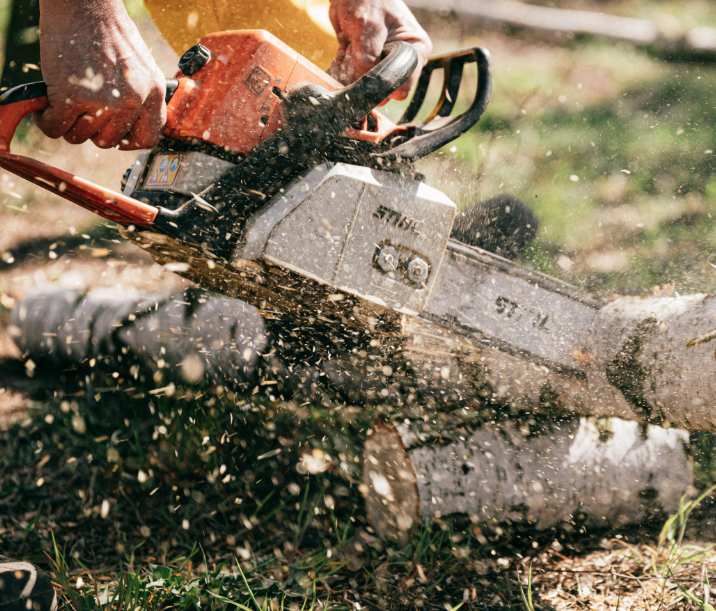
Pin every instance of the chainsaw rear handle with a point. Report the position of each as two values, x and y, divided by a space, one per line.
23 100
335 111
439 128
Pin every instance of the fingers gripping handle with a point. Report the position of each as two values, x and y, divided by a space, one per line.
22 101
358 99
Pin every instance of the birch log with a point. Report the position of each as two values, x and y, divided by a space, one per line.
603 472
645 359
200 337
192 336
659 354
649 360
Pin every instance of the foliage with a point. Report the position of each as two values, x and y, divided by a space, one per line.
618 166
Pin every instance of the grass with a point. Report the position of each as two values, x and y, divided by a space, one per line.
527 596
126 493
673 560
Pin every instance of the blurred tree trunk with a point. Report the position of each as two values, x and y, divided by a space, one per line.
676 42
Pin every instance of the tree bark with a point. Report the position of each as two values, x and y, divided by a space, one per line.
600 472
193 336
645 359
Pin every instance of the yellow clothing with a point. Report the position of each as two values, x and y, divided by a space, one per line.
302 24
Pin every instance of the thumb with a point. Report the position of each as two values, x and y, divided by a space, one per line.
365 34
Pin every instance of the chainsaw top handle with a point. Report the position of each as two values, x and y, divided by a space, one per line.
335 111
439 128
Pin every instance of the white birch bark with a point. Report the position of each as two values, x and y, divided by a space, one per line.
606 472
645 359
659 354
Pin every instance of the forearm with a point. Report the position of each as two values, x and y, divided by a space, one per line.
82 20
100 9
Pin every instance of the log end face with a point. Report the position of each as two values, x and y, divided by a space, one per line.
391 494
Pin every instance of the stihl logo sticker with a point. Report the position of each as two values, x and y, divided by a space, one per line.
257 80
510 308
393 217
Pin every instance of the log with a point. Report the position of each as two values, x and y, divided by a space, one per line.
645 359
192 336
199 337
443 462
699 42
659 353
600 472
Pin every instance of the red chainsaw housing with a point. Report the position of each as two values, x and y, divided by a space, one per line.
235 100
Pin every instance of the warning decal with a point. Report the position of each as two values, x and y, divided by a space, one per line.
163 171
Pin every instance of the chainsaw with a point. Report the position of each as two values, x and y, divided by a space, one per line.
275 184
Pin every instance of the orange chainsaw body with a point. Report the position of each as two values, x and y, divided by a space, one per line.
236 100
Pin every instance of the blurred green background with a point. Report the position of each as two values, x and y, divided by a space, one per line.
611 144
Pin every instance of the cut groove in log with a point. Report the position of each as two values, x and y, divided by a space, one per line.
605 472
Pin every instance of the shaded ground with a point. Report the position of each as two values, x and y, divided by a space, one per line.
612 148
112 472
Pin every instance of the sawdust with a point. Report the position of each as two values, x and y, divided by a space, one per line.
43 219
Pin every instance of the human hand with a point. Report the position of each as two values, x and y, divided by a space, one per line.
102 82
364 27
